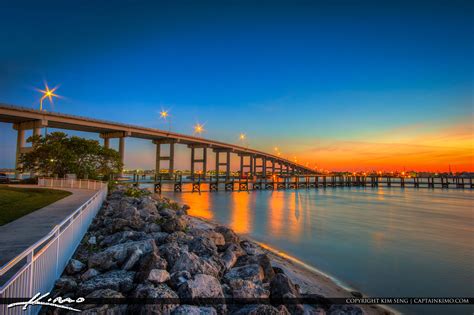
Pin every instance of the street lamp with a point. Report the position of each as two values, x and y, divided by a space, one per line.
47 93
164 114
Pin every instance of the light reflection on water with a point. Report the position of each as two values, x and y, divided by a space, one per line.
384 242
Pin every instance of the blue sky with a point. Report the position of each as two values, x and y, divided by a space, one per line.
297 74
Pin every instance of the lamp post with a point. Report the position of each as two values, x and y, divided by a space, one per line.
164 114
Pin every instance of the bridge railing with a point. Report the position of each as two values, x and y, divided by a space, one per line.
37 268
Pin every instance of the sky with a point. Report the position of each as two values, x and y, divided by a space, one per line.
341 85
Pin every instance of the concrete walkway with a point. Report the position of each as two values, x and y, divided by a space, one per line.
20 234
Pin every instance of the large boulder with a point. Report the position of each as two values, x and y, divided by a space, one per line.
179 237
230 255
122 237
115 256
203 246
174 224
281 287
201 286
244 289
157 276
195 264
250 248
172 252
260 259
117 280
149 262
230 237
251 272
148 291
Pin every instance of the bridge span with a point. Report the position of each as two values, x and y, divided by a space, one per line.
251 161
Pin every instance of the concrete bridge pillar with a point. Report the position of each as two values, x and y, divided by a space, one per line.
159 157
220 163
244 166
37 126
203 160
121 135
20 143
273 167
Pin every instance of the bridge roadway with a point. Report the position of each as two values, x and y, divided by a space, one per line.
251 161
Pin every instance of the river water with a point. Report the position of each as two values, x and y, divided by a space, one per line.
385 242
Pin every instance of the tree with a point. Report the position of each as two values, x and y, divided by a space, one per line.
58 154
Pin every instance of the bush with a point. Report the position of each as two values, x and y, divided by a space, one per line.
136 192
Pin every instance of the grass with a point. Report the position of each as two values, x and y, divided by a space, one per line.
16 202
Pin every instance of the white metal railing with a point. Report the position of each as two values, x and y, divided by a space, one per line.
43 262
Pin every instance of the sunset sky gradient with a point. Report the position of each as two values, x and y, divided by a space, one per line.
344 85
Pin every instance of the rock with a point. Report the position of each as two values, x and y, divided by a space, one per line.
251 272
103 308
195 264
179 237
262 309
171 252
132 259
229 236
117 280
260 259
344 310
122 237
203 246
281 287
74 266
148 263
152 228
92 240
201 286
278 270
90 273
158 276
65 284
215 237
161 291
244 289
250 248
174 224
194 310
178 278
159 237
356 294
114 256
229 258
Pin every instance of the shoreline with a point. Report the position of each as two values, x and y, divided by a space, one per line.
309 278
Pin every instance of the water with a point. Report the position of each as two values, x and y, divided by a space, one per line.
384 242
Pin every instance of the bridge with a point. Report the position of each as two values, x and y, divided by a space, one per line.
252 162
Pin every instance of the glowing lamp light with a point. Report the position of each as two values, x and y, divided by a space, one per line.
164 114
47 94
198 128
242 136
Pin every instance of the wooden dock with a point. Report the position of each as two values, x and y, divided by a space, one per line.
213 183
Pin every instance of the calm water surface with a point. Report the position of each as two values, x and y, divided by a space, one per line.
383 242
